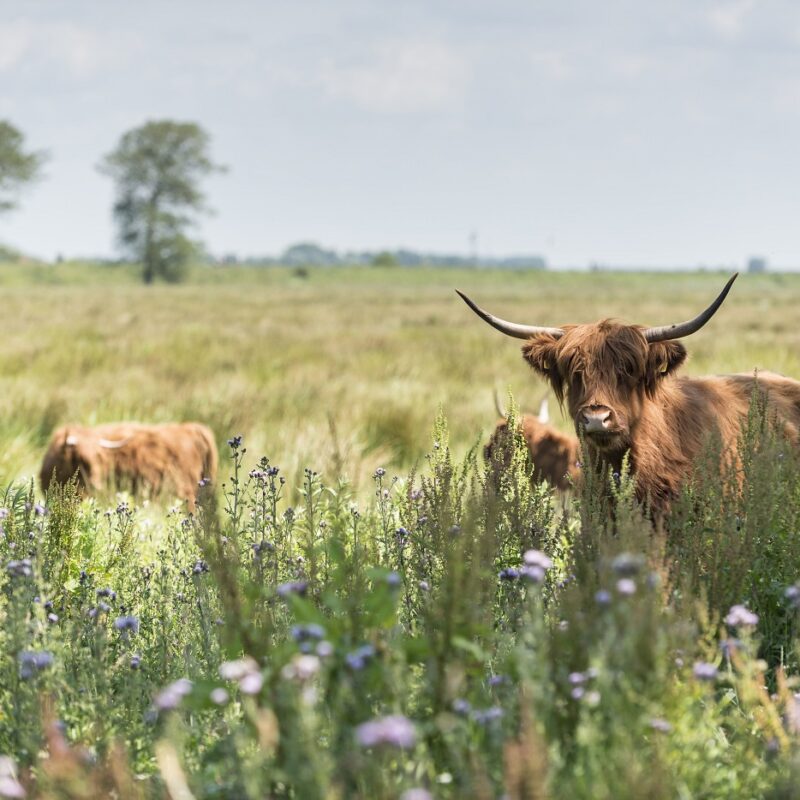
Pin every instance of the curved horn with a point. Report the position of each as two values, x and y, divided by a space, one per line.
544 411
501 412
682 329
509 328
113 444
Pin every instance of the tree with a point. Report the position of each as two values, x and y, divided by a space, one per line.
17 168
157 169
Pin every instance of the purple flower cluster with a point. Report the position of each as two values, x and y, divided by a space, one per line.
127 624
741 616
20 569
32 662
292 587
392 731
703 671
358 659
170 697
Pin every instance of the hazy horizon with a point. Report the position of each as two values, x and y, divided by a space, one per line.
628 134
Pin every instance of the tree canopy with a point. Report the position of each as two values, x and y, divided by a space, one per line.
17 167
157 169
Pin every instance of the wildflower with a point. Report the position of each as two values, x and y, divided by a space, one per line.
324 649
199 567
484 716
602 598
424 586
136 661
235 443
357 660
203 482
39 509
660 725
236 670
251 683
32 662
301 668
704 671
393 580
741 616
577 692
416 794
729 646
532 573
310 631
497 680
4 513
52 618
219 696
508 574
380 472
401 533
127 624
792 595
109 593
292 587
20 569
626 586
577 678
9 785
627 564
536 558
170 696
461 707
392 731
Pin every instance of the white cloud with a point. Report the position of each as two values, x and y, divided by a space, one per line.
728 19
403 77
80 50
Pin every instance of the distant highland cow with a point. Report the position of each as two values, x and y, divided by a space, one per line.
554 454
144 459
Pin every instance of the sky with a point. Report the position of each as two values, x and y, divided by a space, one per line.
658 133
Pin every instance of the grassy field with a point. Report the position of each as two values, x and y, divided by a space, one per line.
381 619
342 370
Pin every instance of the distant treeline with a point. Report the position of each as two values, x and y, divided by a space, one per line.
307 254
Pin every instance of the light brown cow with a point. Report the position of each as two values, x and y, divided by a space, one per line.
554 454
621 390
147 459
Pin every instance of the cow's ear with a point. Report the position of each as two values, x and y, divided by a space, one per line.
540 353
664 358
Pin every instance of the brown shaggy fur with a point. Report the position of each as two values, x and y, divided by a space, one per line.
554 454
664 421
148 459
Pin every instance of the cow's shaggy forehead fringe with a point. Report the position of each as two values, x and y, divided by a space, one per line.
607 353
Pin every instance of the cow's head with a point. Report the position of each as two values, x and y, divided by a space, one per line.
605 371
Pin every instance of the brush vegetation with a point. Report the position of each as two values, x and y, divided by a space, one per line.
360 610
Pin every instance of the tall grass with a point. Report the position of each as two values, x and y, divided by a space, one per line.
447 634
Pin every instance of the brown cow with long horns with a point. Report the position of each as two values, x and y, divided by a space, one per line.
621 391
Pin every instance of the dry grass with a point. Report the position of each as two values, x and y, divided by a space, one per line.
342 368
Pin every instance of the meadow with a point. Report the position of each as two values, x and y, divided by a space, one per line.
359 609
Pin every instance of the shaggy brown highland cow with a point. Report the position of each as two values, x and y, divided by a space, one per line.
554 454
145 459
621 390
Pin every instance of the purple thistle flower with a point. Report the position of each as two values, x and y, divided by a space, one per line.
660 725
532 573
31 662
627 565
170 696
219 696
508 574
309 631
127 624
536 558
704 671
393 580
392 731
485 716
357 660
602 598
22 568
792 595
203 482
136 661
740 616
292 587
577 678
497 680
39 509
461 707
626 587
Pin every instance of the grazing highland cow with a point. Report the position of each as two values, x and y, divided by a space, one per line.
148 459
620 387
554 454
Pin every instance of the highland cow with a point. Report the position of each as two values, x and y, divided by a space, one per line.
144 459
554 455
621 390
